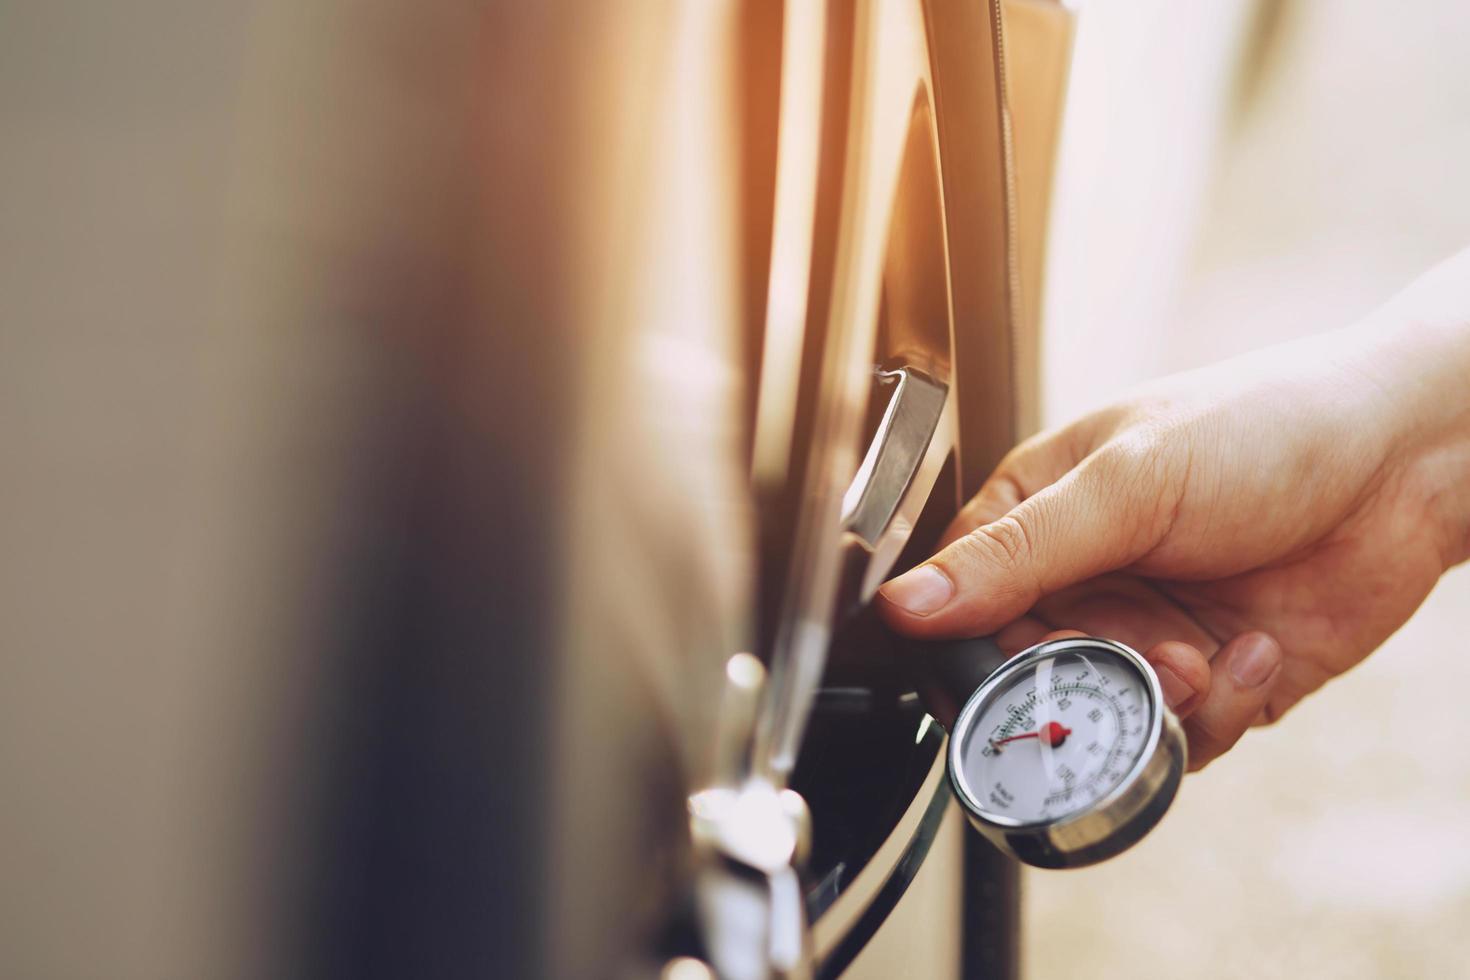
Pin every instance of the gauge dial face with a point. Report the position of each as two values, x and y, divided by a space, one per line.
1056 735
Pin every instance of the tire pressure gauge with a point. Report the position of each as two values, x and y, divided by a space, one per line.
1067 755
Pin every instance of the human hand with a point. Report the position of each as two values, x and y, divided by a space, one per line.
1255 528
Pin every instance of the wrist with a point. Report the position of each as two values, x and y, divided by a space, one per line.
1415 353
1447 476
1435 468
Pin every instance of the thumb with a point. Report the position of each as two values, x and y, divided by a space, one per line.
1109 511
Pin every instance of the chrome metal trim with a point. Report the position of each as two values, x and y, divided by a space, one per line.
894 887
909 841
753 837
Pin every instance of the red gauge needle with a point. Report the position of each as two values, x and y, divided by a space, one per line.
1052 733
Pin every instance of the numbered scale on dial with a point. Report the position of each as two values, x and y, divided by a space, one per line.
1067 754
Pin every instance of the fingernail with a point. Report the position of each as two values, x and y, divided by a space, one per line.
923 591
1176 692
1254 660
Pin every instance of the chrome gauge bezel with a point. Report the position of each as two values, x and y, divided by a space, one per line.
1103 828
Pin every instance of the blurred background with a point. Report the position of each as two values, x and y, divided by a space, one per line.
1230 178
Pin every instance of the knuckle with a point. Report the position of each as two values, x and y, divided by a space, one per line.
1209 736
1275 708
1005 541
1142 457
1198 762
1147 466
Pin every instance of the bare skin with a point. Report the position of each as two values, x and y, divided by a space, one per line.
1256 527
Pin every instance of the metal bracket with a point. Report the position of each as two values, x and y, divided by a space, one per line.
898 471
